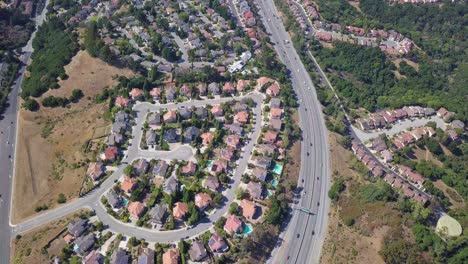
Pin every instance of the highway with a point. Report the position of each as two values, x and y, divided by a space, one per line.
303 237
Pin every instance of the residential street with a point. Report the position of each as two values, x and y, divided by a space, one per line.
92 200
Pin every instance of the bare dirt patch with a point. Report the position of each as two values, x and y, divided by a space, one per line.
410 63
28 248
52 143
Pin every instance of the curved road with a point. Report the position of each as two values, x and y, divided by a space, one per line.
304 235
92 200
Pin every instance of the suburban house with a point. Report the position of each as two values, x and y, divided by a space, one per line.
128 184
170 185
202 201
110 153
180 210
211 182
151 138
155 93
239 107
213 88
255 190
85 243
387 155
170 94
77 228
445 114
121 116
412 176
171 256
170 135
273 90
226 154
154 121
233 224
276 124
136 93
248 208
217 243
219 166
115 139
119 256
270 137
135 209
114 200
189 169
141 166
170 116
266 149
275 103
95 170
276 113
119 127
217 110
146 256
262 81
122 102
185 113
241 117
185 90
233 141
93 257
229 88
201 112
207 138
191 133
197 251
260 173
235 129
160 169
263 162
202 89
242 85
158 214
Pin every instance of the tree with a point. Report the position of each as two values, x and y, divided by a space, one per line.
128 170
337 187
277 213
61 198
31 104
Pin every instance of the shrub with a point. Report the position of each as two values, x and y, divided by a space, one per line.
348 221
61 198
31 105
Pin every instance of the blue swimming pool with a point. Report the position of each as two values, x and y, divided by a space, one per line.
125 202
274 182
75 248
278 169
209 164
247 230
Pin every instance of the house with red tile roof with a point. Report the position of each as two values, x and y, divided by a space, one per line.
273 90
136 93
387 155
171 256
122 102
189 169
180 210
207 138
219 166
170 116
242 85
232 141
233 224
128 184
276 113
202 200
241 117
95 170
229 88
135 209
251 33
445 114
155 93
270 137
186 91
248 208
110 153
217 110
263 81
226 154
217 243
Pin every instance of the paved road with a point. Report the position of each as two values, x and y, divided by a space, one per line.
92 200
7 145
299 244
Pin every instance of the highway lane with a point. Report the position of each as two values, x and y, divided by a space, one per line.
92 200
303 237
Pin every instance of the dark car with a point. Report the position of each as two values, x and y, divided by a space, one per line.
298 235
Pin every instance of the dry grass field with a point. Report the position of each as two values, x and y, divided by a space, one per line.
361 242
27 249
52 142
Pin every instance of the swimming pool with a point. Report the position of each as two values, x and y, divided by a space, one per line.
247 230
209 164
274 182
268 193
124 202
75 248
278 169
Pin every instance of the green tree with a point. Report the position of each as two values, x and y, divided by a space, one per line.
31 104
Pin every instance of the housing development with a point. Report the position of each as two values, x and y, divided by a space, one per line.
233 131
